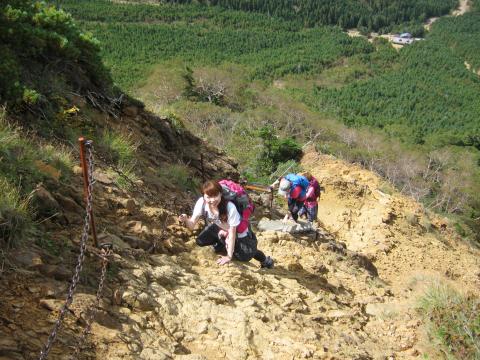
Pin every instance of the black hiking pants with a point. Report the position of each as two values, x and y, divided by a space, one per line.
245 248
294 207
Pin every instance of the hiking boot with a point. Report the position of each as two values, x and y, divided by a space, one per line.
268 263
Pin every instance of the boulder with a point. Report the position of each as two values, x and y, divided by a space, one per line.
28 258
102 177
129 204
137 227
116 241
135 242
57 272
51 304
288 227
45 202
68 204
48 170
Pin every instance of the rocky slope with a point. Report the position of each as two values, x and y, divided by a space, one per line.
347 293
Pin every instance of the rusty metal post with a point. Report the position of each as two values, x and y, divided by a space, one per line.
86 183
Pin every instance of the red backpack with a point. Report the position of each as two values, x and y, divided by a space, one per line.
316 187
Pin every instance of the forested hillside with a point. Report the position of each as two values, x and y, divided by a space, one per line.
135 37
428 98
379 15
240 79
378 275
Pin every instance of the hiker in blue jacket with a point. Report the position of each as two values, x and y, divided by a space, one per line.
294 188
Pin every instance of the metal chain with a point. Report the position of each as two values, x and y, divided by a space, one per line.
93 311
80 259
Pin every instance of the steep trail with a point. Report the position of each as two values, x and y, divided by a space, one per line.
348 294
410 249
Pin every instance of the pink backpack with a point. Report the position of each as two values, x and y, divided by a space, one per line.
236 194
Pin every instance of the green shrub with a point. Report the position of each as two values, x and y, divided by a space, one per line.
275 150
15 217
21 159
124 175
454 321
176 122
387 188
118 147
30 96
460 230
58 157
178 175
34 34
120 151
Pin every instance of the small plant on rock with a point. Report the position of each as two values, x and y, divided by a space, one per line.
15 217
454 321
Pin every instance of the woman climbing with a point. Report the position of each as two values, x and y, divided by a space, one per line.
294 188
222 219
310 206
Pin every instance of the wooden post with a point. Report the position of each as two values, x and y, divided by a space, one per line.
86 184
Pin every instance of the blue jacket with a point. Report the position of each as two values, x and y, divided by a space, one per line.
298 180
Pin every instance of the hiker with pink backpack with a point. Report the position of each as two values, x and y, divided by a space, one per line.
226 208
310 206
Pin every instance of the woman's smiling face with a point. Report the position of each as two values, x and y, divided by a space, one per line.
212 200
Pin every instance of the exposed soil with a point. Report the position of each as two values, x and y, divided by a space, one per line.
349 293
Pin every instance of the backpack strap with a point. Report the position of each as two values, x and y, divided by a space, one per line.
204 213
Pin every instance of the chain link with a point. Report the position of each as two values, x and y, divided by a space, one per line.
93 311
80 259
115 168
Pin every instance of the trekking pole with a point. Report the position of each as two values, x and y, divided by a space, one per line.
271 200
284 172
87 173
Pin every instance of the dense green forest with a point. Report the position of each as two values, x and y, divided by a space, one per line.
231 75
378 15
461 34
425 97
131 44
429 97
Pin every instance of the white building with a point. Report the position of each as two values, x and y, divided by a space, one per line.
403 39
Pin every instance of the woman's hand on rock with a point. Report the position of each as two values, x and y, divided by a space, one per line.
222 233
183 218
224 260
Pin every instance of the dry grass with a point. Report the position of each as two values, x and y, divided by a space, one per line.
454 321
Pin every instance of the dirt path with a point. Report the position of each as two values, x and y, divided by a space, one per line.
410 249
463 7
348 294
